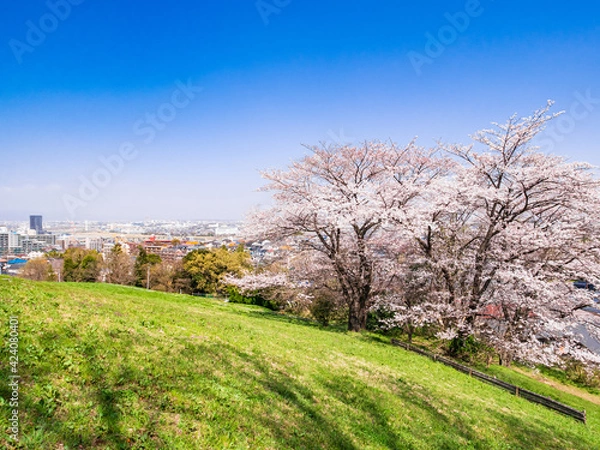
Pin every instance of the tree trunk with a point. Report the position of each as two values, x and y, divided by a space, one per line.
357 316
504 358
353 319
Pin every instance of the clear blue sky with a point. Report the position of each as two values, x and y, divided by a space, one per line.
75 88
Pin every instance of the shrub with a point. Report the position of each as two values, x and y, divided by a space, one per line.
234 296
376 318
470 349
323 309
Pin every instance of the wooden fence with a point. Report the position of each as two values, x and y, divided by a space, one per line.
515 390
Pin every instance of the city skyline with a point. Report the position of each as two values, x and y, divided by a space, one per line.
122 112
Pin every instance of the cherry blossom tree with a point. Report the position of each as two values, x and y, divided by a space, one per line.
253 283
480 240
338 202
511 226
272 286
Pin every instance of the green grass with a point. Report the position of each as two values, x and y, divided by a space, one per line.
114 367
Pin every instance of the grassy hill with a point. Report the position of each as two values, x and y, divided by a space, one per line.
115 367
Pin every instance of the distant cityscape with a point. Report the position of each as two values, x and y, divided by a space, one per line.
170 239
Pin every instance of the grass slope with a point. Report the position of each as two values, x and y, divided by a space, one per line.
114 367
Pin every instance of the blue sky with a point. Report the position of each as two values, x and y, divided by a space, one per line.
81 80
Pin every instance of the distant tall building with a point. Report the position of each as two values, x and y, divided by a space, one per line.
35 223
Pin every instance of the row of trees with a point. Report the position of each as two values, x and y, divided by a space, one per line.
480 240
201 271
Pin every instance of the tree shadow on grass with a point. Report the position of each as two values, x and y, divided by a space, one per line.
110 396
525 433
302 417
256 396
539 435
292 417
305 417
334 327
97 424
106 398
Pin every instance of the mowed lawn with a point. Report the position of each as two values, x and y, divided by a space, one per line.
112 367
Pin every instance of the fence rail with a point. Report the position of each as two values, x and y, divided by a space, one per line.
515 390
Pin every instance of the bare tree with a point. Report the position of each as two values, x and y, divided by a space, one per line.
38 269
118 267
